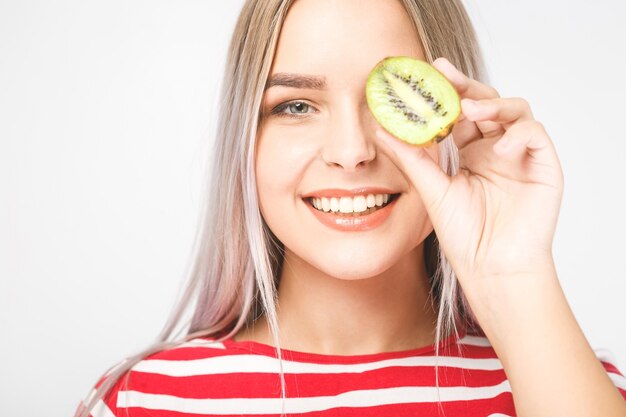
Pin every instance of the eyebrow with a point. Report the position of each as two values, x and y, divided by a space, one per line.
296 81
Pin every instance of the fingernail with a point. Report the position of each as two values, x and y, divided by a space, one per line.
385 140
469 104
449 64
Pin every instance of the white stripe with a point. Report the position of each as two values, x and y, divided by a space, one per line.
266 364
201 343
605 355
499 415
618 380
102 410
364 398
475 341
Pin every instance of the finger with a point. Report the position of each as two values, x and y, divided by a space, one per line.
492 117
475 125
464 132
465 86
502 111
473 89
527 136
423 171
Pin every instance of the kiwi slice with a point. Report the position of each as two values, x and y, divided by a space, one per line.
412 100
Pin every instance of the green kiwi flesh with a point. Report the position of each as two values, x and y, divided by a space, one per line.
412 100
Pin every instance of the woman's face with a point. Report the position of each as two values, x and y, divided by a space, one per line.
317 134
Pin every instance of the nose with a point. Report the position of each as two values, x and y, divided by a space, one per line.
350 139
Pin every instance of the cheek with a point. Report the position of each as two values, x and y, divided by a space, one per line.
268 178
282 156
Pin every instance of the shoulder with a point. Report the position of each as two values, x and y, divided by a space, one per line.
198 348
177 370
193 358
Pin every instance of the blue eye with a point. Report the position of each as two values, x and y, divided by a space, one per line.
294 108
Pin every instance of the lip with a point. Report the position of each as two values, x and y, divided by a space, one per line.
337 192
355 223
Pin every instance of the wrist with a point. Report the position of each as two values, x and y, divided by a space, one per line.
501 302
495 281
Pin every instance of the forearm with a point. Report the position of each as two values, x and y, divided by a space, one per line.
551 367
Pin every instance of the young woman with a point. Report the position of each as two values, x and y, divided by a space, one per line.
440 299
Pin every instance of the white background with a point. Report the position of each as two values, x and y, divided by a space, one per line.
106 116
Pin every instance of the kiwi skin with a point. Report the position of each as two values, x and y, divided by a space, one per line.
432 130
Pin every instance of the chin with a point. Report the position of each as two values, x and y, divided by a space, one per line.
356 268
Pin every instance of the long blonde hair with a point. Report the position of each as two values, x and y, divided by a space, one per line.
236 259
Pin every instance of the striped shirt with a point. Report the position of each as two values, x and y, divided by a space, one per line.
204 377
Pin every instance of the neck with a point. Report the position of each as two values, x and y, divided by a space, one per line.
319 313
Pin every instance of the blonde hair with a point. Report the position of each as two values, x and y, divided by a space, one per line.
236 259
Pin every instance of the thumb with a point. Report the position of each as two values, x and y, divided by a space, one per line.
421 168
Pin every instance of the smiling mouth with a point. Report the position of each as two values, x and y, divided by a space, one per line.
324 208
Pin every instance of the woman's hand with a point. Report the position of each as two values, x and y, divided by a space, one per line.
496 219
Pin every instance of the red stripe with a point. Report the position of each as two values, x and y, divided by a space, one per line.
478 352
266 385
611 368
447 349
245 348
478 408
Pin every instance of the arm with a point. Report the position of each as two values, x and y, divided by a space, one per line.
495 221
551 367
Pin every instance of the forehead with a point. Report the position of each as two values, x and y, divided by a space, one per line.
343 39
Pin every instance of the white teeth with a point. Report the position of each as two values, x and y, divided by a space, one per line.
359 204
325 204
345 205
356 204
